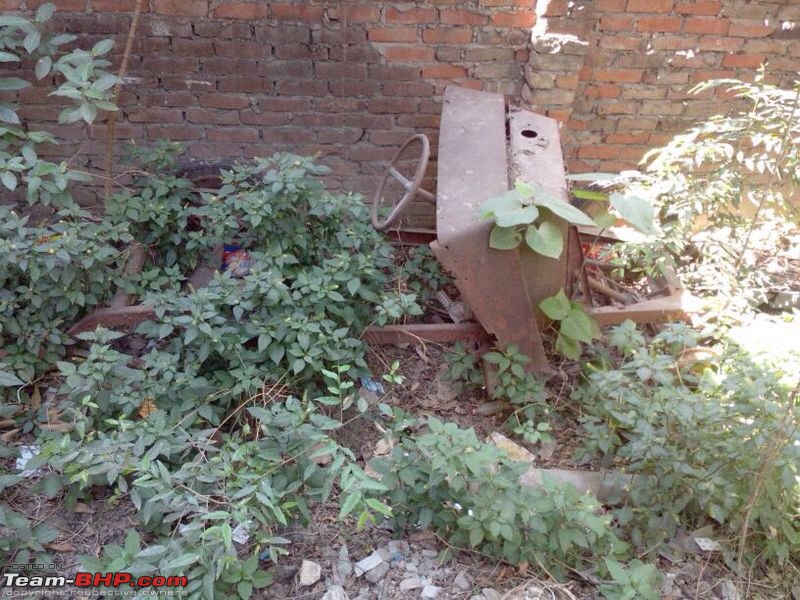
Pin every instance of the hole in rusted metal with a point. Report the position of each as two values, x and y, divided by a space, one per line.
529 133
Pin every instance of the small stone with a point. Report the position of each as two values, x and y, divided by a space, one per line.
335 592
491 594
430 591
514 450
430 553
310 573
412 567
399 546
411 583
462 581
343 565
377 573
365 564
727 590
385 554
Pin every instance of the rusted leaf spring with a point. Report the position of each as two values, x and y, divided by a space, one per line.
121 316
442 333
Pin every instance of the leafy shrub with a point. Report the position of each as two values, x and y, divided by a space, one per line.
469 492
696 435
725 192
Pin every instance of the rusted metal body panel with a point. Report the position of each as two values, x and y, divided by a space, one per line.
536 157
473 167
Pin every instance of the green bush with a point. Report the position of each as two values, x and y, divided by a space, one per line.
469 492
696 436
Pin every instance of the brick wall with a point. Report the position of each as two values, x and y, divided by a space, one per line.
234 79
617 72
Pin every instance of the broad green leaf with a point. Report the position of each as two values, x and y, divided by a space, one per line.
9 180
244 589
12 83
102 47
504 238
568 347
181 561
546 240
556 307
562 209
8 379
519 216
637 211
584 194
45 12
8 114
8 57
105 82
578 326
43 66
616 570
88 112
32 41
475 536
12 21
605 220
506 202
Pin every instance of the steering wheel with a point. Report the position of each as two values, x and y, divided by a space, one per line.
411 186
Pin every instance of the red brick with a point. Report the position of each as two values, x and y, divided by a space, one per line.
598 151
228 101
408 88
650 6
602 91
615 23
10 4
618 76
462 17
393 72
240 48
212 117
244 84
410 15
408 54
247 135
393 105
301 87
708 8
663 24
61 5
156 115
182 8
743 61
443 72
632 152
556 8
728 44
175 132
610 5
250 117
750 29
117 6
237 10
288 135
447 36
627 138
567 82
292 12
393 34
356 14
354 87
707 25
698 76
520 19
